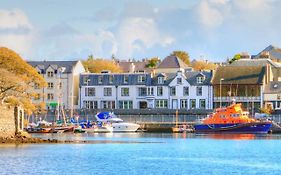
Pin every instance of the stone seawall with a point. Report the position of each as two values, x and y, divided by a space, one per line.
7 122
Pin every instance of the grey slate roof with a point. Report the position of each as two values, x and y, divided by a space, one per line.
43 65
118 79
239 75
172 62
274 52
191 78
255 62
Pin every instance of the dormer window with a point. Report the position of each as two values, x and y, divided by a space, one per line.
179 81
100 79
126 79
160 80
86 80
200 79
110 79
141 78
50 74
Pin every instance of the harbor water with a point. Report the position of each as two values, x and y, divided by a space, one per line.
145 153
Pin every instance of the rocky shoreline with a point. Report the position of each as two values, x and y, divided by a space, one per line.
23 137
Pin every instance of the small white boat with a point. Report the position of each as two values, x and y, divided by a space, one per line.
118 125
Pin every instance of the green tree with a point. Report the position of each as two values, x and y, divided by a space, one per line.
153 62
17 79
184 56
235 58
96 65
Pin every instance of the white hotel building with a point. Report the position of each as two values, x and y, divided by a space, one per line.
183 89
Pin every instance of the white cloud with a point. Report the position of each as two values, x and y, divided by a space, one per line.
14 19
12 23
136 34
209 15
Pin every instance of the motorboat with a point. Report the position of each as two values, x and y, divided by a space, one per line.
232 119
118 125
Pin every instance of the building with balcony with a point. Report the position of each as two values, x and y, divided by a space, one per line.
244 84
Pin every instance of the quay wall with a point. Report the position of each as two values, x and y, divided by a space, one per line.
7 122
132 115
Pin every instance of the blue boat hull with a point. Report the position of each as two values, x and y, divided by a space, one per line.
248 128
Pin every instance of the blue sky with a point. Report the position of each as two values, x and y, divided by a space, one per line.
69 29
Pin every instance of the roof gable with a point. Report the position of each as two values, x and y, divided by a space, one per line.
172 62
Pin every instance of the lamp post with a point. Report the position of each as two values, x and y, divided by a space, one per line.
220 91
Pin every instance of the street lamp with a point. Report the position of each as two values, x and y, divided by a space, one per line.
220 91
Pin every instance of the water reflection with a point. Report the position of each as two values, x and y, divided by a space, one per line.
137 136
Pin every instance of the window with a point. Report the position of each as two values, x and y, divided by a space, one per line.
125 104
86 80
90 104
150 91
161 103
50 96
50 74
200 79
179 81
159 91
185 91
110 79
108 104
124 91
199 91
141 78
184 104
100 79
90 91
126 79
202 104
160 80
50 85
173 91
142 91
192 103
107 91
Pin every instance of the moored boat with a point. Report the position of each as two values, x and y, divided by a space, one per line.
118 125
232 119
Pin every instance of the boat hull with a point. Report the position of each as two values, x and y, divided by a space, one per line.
251 128
125 127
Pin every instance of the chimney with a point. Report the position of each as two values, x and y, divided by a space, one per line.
132 68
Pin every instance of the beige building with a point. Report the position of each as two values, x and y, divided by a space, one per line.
62 79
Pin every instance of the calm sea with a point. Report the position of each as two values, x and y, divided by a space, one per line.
146 153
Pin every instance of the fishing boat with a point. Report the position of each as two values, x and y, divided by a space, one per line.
118 125
232 119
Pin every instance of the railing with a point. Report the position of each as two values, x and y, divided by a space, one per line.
245 98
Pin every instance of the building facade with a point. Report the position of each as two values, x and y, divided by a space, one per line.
244 84
181 90
62 79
